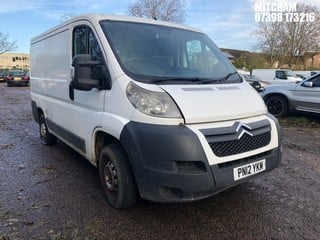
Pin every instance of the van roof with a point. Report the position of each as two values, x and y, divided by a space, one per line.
95 18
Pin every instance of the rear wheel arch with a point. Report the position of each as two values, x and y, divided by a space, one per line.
46 137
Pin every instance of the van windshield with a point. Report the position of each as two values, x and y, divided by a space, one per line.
161 54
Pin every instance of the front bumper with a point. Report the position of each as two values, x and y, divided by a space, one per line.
17 82
170 165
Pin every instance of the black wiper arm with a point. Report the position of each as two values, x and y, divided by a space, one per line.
179 80
207 81
227 76
174 80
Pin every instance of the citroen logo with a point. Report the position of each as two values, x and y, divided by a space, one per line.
242 129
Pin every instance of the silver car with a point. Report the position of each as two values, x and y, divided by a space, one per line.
301 96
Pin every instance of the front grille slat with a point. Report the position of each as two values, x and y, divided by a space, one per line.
234 140
245 144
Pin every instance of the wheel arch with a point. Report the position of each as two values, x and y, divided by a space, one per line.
37 110
103 139
277 94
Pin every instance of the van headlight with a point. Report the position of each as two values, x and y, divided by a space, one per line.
156 104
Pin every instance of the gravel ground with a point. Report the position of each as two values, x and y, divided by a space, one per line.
54 193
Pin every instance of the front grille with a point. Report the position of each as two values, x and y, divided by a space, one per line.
245 144
238 138
246 160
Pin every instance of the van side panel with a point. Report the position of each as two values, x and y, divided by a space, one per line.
50 64
73 121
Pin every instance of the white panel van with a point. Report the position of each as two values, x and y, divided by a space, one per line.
276 76
154 105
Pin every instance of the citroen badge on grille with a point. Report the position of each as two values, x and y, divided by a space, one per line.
242 129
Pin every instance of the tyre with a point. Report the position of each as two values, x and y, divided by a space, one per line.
117 178
46 137
277 105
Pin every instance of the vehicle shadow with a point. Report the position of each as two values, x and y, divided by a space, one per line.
299 119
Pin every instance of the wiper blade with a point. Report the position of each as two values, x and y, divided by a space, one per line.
197 80
227 77
174 80
220 80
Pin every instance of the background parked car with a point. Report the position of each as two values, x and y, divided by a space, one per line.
302 76
3 77
301 96
276 76
254 81
17 77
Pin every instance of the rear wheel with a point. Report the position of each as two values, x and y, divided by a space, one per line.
277 105
116 177
46 137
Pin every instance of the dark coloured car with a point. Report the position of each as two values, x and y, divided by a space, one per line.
3 77
17 77
254 81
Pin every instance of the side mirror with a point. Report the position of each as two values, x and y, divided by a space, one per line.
308 84
83 69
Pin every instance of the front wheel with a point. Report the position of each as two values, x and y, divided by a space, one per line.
277 105
46 137
117 178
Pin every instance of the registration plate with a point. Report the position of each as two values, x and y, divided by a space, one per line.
17 78
249 169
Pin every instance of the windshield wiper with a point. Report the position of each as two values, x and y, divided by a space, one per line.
174 80
220 80
197 80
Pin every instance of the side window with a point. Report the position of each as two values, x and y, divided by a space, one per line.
94 48
79 41
316 81
85 42
280 75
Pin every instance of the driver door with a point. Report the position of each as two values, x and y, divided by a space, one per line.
307 98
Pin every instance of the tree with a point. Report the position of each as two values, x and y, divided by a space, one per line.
5 44
269 39
250 61
289 40
166 10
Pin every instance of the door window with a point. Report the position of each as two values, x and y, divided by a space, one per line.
85 42
281 75
316 81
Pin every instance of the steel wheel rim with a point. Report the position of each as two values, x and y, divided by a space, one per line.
110 177
43 130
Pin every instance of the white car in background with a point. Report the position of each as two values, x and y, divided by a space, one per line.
276 76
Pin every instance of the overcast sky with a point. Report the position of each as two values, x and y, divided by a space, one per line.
228 22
